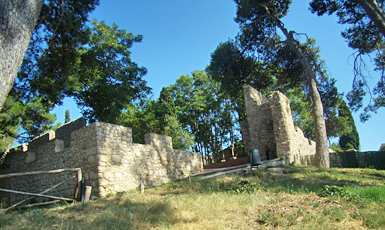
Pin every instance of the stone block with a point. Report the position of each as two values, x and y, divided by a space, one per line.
31 156
270 127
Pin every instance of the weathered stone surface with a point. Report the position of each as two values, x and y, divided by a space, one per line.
109 160
270 128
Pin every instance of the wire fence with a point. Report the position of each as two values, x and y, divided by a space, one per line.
371 159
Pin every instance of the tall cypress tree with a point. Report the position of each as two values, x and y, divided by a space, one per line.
67 116
350 140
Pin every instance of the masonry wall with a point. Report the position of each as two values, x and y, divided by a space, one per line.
110 162
270 128
260 124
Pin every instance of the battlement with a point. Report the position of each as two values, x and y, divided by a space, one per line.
109 160
65 134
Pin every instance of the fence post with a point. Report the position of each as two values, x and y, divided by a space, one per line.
79 182
87 194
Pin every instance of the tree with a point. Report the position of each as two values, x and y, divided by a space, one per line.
107 78
67 116
17 23
21 121
382 147
170 125
54 25
149 116
205 112
351 139
141 117
47 70
366 36
60 25
258 21
233 69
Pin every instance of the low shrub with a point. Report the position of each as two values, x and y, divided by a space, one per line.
243 186
333 190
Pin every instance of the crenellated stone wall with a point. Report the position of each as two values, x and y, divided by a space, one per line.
110 162
271 130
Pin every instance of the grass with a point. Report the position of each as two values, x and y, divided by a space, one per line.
257 200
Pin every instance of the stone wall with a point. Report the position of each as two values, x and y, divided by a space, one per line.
260 124
110 162
270 128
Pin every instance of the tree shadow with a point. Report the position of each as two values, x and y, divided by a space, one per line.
115 213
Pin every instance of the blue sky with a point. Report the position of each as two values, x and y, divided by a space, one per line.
180 35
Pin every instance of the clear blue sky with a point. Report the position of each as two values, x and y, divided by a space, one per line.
180 35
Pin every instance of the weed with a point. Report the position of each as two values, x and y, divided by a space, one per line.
252 200
370 193
243 186
329 191
122 193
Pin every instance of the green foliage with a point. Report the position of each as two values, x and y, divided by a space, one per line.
336 147
170 124
107 79
350 159
49 63
382 147
370 193
91 64
181 139
350 139
364 37
149 116
21 121
67 116
204 111
141 117
46 75
233 69
333 190
243 186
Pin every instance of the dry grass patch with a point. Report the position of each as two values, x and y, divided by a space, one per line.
261 200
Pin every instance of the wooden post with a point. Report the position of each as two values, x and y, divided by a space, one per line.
87 194
79 182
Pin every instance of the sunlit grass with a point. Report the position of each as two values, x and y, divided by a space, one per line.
257 200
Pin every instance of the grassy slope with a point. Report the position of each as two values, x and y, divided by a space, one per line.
287 201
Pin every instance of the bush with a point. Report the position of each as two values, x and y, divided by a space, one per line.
330 191
243 186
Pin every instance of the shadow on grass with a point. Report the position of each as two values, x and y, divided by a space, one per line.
116 213
305 179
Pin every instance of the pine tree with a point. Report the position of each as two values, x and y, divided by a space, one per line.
351 139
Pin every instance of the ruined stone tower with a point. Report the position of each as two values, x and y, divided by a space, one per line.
270 128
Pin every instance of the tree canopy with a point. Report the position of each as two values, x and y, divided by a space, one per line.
50 60
366 36
67 58
105 77
350 139
258 37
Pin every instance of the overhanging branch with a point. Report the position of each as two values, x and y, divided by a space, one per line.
264 44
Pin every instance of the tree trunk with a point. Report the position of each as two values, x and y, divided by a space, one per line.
375 13
17 21
322 148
